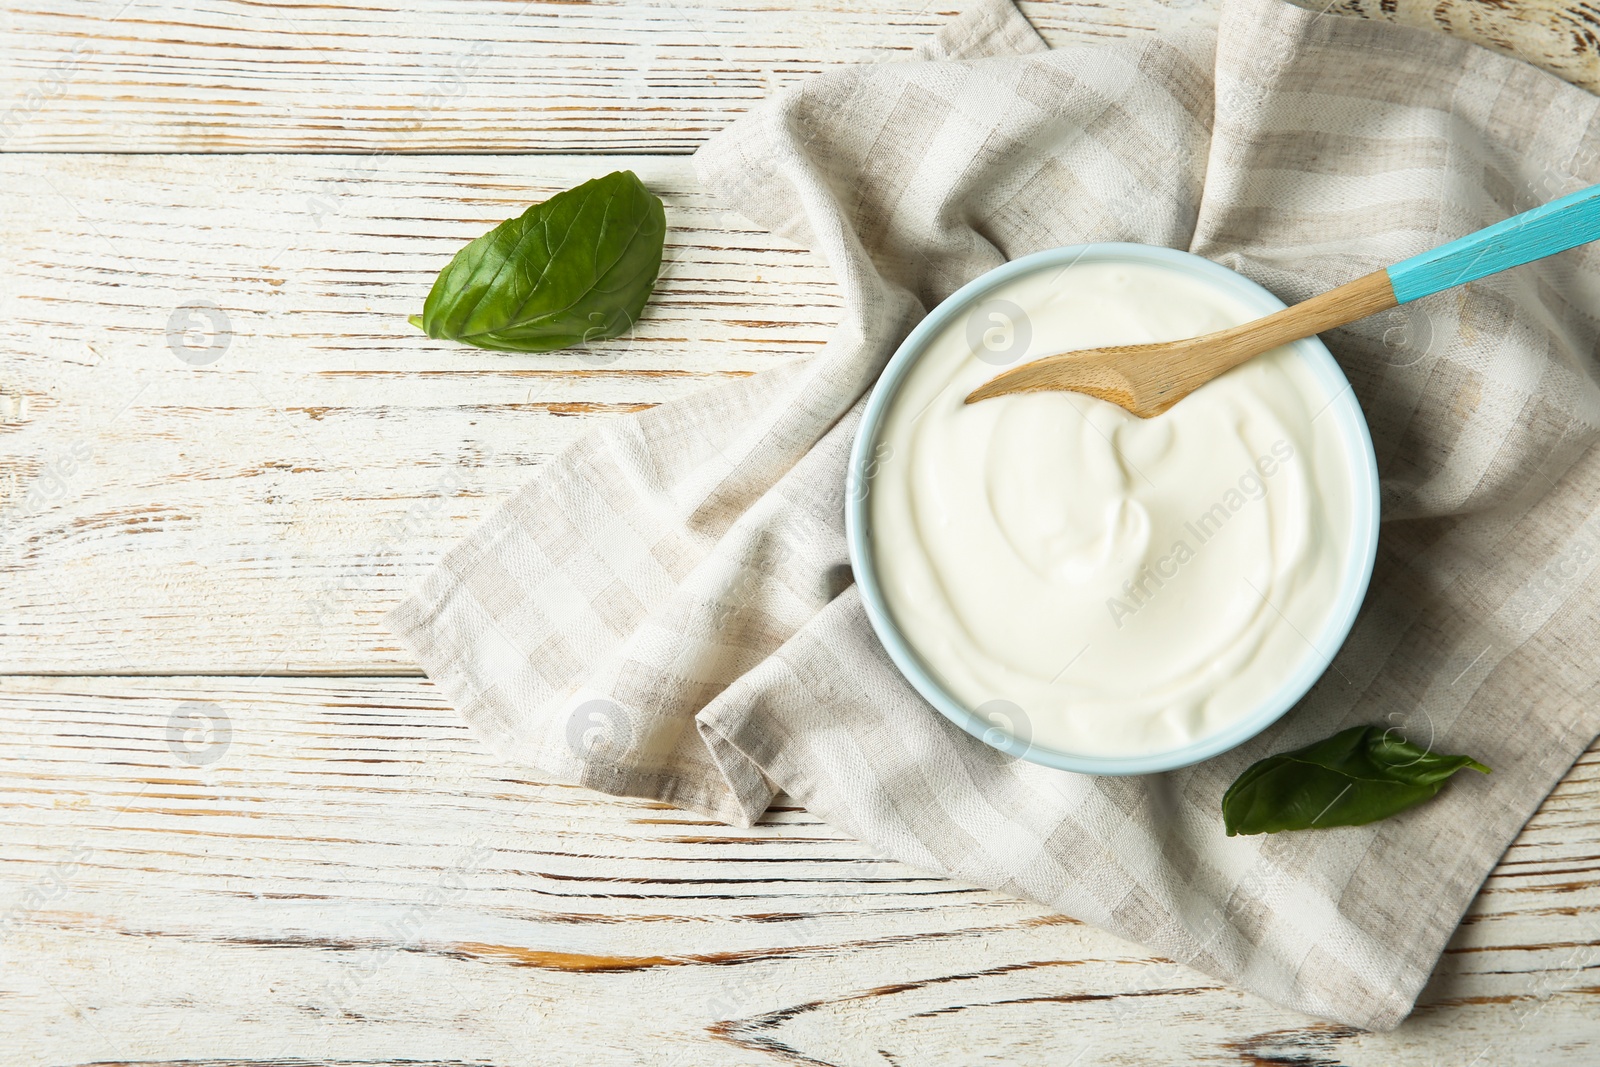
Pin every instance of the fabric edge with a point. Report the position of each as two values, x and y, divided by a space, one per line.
984 29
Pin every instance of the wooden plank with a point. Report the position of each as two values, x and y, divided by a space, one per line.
177 500
1560 36
343 874
349 876
514 76
445 75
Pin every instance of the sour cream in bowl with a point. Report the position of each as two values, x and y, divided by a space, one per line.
1090 590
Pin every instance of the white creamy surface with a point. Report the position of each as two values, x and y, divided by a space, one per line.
1130 585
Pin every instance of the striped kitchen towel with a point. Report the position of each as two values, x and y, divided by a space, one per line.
666 610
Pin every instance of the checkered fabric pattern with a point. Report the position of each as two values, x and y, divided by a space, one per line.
666 610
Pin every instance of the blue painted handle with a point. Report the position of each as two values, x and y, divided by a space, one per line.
1561 224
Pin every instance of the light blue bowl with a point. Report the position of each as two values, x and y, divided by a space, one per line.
1343 409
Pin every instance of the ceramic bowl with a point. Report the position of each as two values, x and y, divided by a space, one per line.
1357 571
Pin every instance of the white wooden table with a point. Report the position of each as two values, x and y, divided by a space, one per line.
236 824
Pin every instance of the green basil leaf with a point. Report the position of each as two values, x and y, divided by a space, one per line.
1357 776
578 267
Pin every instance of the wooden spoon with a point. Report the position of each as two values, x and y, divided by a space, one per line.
1149 379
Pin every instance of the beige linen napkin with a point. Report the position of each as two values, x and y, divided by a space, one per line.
666 609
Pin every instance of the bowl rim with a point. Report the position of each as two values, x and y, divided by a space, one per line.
1354 579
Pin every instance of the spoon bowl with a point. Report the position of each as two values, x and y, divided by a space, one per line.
1148 379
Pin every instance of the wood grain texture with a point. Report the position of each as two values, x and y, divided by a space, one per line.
1560 36
514 76
223 452
446 75
336 871
253 499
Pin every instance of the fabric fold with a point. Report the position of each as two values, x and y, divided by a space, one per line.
665 610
